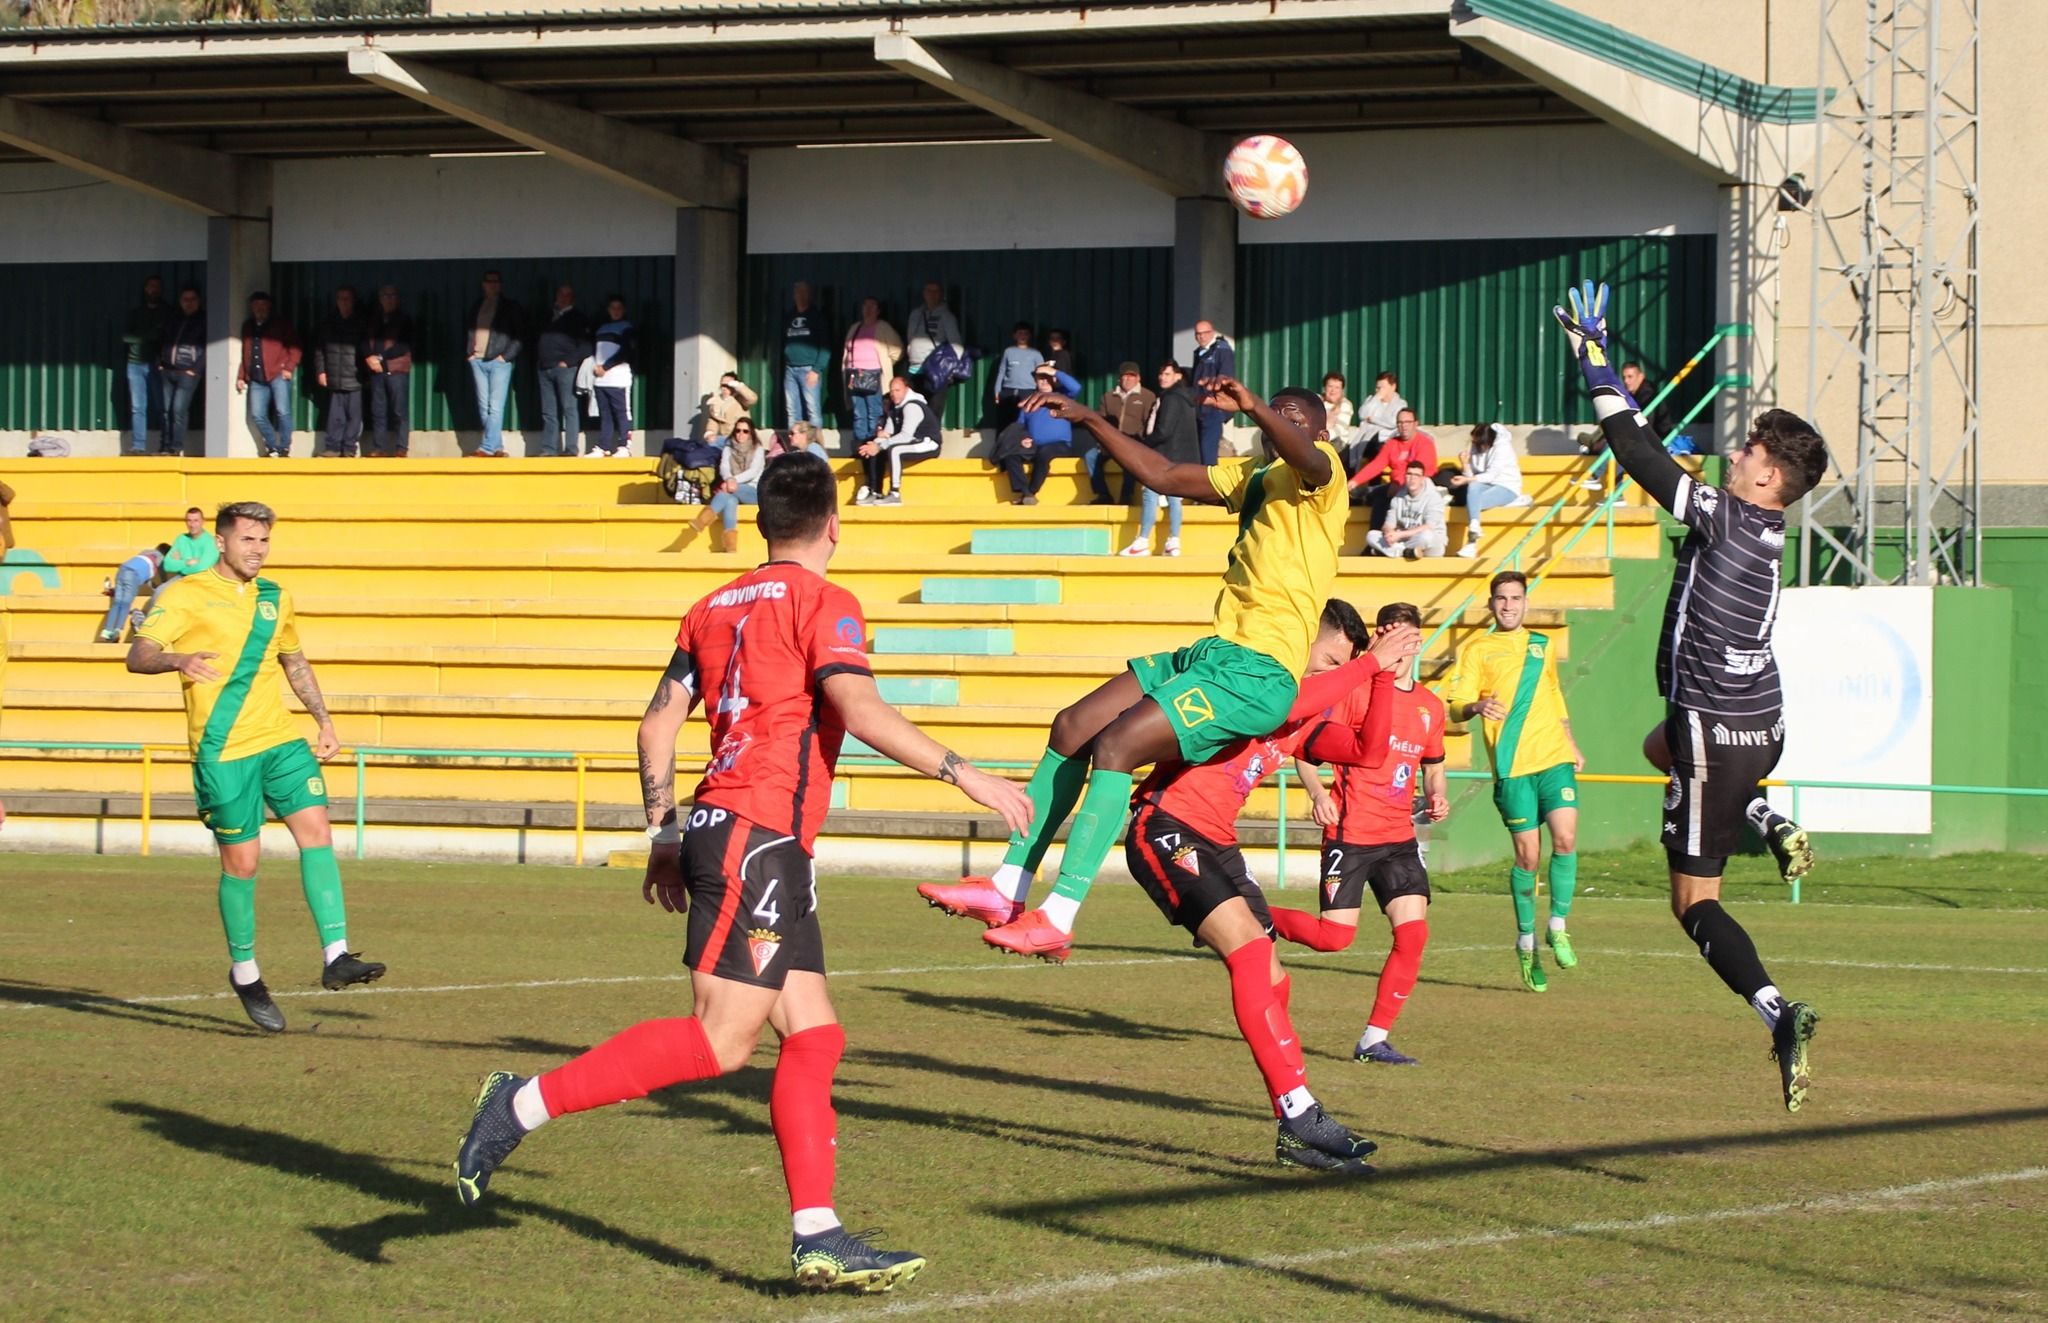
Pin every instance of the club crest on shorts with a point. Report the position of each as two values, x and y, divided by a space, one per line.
1673 792
1193 707
1185 859
762 944
1330 886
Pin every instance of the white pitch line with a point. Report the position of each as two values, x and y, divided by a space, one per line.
1595 951
1864 1201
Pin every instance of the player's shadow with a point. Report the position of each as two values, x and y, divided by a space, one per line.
427 1208
1053 1021
84 1001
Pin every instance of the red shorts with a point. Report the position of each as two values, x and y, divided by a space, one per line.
753 901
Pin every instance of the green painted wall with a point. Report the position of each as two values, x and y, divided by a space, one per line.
1973 715
1466 324
1112 302
62 363
2017 559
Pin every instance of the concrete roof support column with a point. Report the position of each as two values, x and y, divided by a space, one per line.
707 301
1746 257
1204 271
237 264
203 181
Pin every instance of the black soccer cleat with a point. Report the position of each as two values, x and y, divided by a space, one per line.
1316 1160
348 968
1314 1132
494 1131
1789 1048
1792 848
841 1259
258 1006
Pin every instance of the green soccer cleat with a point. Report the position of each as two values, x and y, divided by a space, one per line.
1561 947
1789 1048
1532 970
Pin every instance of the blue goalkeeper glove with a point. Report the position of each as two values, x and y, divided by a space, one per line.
1585 332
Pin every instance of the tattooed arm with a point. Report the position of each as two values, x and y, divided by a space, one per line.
298 672
675 693
147 657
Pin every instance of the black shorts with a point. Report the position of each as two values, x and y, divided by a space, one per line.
1390 870
1716 763
1186 874
753 901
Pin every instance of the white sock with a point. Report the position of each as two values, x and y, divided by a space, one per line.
1060 911
1557 923
812 1221
1012 881
1525 941
333 949
528 1106
1296 1101
1373 1034
1768 1003
244 972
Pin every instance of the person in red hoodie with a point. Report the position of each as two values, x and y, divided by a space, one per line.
1409 442
270 355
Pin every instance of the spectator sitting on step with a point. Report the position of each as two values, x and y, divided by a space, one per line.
725 406
739 476
1415 519
909 432
1378 419
1026 447
801 438
1170 429
6 522
1127 408
1491 478
1408 443
193 550
1010 384
139 571
337 358
1336 404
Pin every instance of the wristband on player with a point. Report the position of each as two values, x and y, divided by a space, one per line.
666 832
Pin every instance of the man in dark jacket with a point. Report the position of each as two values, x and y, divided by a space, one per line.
1214 360
144 337
491 336
270 355
178 366
337 356
387 356
806 357
1129 410
564 343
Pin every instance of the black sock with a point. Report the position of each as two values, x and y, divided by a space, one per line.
1726 947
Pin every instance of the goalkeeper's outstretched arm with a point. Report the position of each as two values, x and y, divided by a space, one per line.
1641 455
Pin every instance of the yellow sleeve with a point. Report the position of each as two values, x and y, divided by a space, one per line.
168 620
287 636
1548 683
1462 686
1229 477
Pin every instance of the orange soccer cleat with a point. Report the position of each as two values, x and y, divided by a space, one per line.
1032 934
971 898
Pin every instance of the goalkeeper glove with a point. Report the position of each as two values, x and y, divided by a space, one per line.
1585 333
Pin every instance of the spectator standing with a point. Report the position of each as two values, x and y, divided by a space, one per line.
270 355
909 432
1336 405
564 343
133 575
613 382
1214 359
739 476
1011 382
930 325
868 358
387 359
143 337
1127 408
179 364
1408 444
806 357
1173 431
725 406
1059 351
192 550
1415 519
492 333
1377 421
337 359
1492 478
1026 447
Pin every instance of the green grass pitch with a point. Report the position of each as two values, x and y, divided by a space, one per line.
1087 1142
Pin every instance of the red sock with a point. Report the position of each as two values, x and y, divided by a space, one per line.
1305 929
651 1055
800 1109
1283 992
1397 976
1262 1018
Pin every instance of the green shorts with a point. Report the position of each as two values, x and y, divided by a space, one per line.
232 795
1525 801
1216 693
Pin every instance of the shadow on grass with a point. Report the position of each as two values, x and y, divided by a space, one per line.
1054 1021
430 1207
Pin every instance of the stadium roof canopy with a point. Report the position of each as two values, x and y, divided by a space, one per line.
687 89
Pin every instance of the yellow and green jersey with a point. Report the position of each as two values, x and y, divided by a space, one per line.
246 626
1284 561
1520 669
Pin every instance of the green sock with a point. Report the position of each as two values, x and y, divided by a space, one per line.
321 877
1522 884
1096 827
238 915
1564 880
1055 787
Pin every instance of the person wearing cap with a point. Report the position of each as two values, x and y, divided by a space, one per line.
1128 408
1026 447
270 355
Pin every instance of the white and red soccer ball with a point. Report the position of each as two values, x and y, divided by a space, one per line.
1266 176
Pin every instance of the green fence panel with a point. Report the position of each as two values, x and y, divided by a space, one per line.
62 363
439 293
1114 304
1465 323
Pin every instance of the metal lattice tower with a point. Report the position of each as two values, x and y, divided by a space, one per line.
1895 315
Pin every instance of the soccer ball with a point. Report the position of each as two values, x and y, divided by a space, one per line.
1266 176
